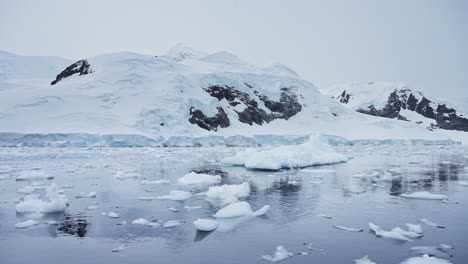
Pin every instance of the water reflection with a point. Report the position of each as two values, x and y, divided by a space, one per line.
74 225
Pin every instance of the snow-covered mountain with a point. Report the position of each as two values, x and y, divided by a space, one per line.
397 101
179 95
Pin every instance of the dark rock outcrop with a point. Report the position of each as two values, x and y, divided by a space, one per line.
287 106
81 67
444 117
197 117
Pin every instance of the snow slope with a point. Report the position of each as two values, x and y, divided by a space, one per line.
173 98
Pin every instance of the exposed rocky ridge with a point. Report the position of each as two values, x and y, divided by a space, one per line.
287 106
444 116
82 67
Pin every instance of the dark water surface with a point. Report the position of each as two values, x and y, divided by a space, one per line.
296 198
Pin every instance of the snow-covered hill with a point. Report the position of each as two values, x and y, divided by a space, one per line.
397 101
180 95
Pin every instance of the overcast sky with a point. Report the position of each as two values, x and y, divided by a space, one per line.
423 43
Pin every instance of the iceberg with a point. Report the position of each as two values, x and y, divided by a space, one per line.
199 179
228 193
316 151
425 259
414 231
32 204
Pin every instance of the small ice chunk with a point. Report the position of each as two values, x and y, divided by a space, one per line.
322 171
425 259
414 231
445 246
431 251
140 221
228 193
113 215
68 186
192 207
120 248
86 195
199 179
364 260
92 207
147 198
463 183
424 195
351 229
430 223
51 222
5 169
32 204
280 254
26 190
206 225
26 224
325 216
239 209
125 175
153 224
33 175
161 181
172 209
176 196
172 223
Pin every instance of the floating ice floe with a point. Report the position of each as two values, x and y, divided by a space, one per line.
193 178
175 196
33 175
424 195
161 181
463 183
26 190
414 231
26 224
86 195
425 259
228 193
32 204
351 229
172 223
439 251
430 223
323 171
193 207
325 216
5 169
92 207
172 209
364 260
51 222
280 254
239 209
113 215
125 175
140 221
147 198
316 151
206 225
120 248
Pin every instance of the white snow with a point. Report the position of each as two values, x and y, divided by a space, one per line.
424 195
140 221
193 178
160 181
414 231
280 254
86 195
316 151
176 196
228 193
26 224
239 209
57 202
206 225
33 175
364 260
350 229
425 259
